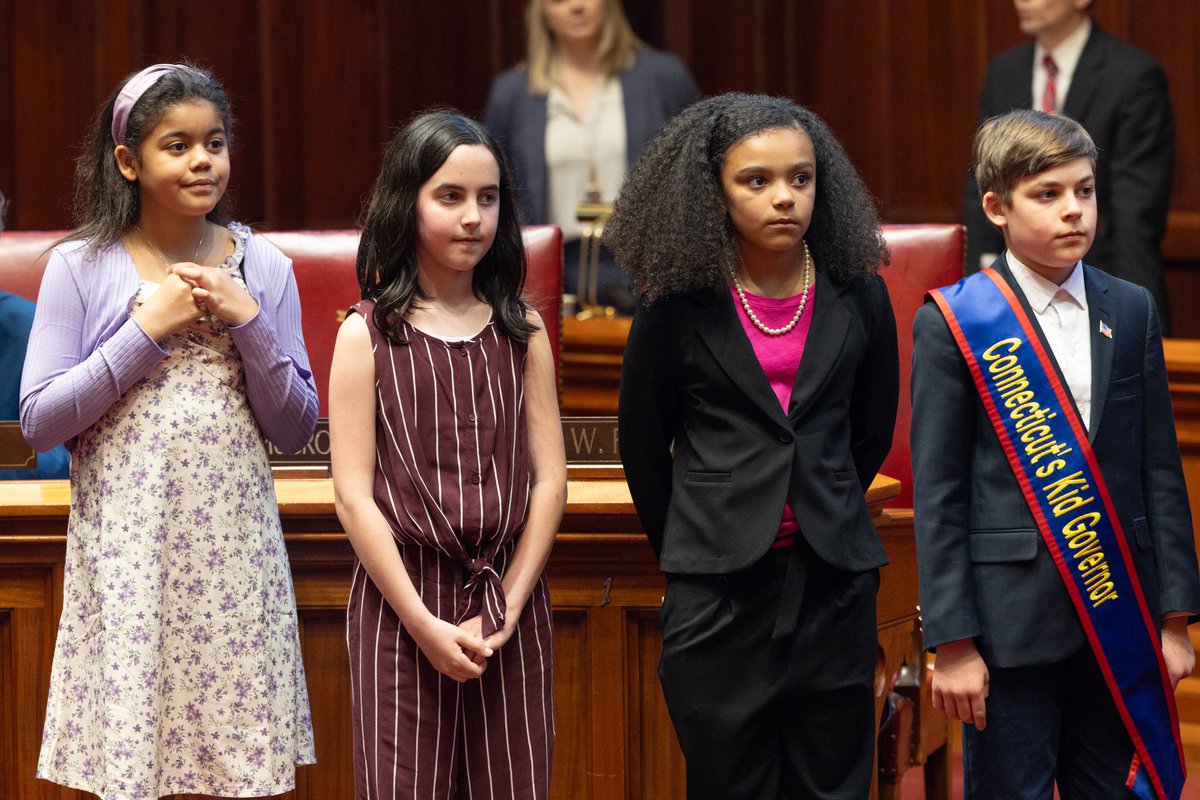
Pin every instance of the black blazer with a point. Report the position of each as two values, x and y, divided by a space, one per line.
1119 94
691 379
654 90
983 567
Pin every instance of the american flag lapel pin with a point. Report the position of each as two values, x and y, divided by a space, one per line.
1105 331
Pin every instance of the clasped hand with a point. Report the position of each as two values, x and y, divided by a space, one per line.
213 289
457 651
188 292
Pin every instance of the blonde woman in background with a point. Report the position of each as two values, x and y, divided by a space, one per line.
575 114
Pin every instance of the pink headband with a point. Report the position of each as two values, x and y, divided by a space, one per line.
132 91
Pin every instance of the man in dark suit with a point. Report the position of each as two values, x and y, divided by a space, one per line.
1017 659
1119 94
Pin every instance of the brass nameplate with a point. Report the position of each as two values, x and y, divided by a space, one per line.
15 452
313 454
589 440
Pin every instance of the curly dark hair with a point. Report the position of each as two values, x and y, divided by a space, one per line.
106 204
387 249
669 228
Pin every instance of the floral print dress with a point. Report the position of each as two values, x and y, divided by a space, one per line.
177 666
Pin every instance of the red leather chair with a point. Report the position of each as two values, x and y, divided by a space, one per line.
23 257
924 257
325 276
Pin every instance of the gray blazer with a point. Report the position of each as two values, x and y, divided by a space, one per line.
983 567
655 89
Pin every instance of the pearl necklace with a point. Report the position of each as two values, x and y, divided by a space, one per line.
799 310
166 266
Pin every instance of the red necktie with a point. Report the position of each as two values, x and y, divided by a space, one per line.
1050 93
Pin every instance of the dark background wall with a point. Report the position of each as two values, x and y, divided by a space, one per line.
318 85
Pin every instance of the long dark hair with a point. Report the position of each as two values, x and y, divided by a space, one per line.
106 204
669 229
387 249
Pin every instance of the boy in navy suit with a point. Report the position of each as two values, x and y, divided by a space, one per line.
1054 538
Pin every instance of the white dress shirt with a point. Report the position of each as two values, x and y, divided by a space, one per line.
1062 313
580 150
1066 58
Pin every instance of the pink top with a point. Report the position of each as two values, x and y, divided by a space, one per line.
779 357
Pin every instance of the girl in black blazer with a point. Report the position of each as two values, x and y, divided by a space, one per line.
758 398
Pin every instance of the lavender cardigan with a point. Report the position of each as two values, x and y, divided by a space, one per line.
86 351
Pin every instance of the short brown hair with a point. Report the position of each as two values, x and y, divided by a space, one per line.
1021 143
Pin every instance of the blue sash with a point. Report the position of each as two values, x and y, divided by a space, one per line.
1049 452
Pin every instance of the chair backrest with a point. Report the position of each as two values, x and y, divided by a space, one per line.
924 257
324 264
23 257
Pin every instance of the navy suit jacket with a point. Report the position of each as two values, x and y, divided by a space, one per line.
691 381
983 567
1119 94
654 90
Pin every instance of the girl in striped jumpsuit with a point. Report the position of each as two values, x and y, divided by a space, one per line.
449 478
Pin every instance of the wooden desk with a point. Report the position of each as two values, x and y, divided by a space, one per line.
592 350
614 737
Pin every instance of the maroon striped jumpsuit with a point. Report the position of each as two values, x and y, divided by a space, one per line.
452 478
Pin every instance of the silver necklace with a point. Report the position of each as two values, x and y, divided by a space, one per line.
165 265
799 310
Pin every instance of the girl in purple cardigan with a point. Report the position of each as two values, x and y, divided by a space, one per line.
165 347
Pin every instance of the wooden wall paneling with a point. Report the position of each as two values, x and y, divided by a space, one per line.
449 62
338 88
1115 15
321 572
286 143
318 86
8 702
570 775
844 61
323 639
509 44
1002 33
122 44
677 34
606 623
666 25
723 45
30 603
52 94
8 128
1158 28
609 582
783 41
933 90
1183 360
656 766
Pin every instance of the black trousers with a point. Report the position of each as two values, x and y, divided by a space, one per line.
1047 724
761 716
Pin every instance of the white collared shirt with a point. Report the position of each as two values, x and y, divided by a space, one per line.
1066 58
580 149
1062 313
